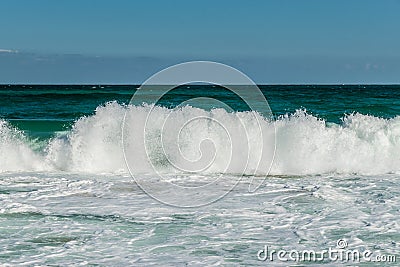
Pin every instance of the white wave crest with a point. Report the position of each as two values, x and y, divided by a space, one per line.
305 144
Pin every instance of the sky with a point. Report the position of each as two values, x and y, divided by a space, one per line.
272 41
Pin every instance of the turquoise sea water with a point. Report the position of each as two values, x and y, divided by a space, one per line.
67 197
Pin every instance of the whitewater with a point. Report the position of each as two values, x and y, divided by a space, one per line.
305 144
80 176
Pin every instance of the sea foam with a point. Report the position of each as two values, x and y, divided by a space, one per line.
216 141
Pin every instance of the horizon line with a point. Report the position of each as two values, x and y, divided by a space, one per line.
138 84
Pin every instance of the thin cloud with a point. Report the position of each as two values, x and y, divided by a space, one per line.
8 51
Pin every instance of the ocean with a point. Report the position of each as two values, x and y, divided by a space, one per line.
68 195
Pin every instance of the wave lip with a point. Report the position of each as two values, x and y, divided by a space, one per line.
305 144
361 144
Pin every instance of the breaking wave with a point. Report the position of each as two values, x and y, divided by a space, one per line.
305 144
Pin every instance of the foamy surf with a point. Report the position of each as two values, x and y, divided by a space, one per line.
67 197
305 144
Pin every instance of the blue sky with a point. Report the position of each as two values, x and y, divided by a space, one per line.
123 41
